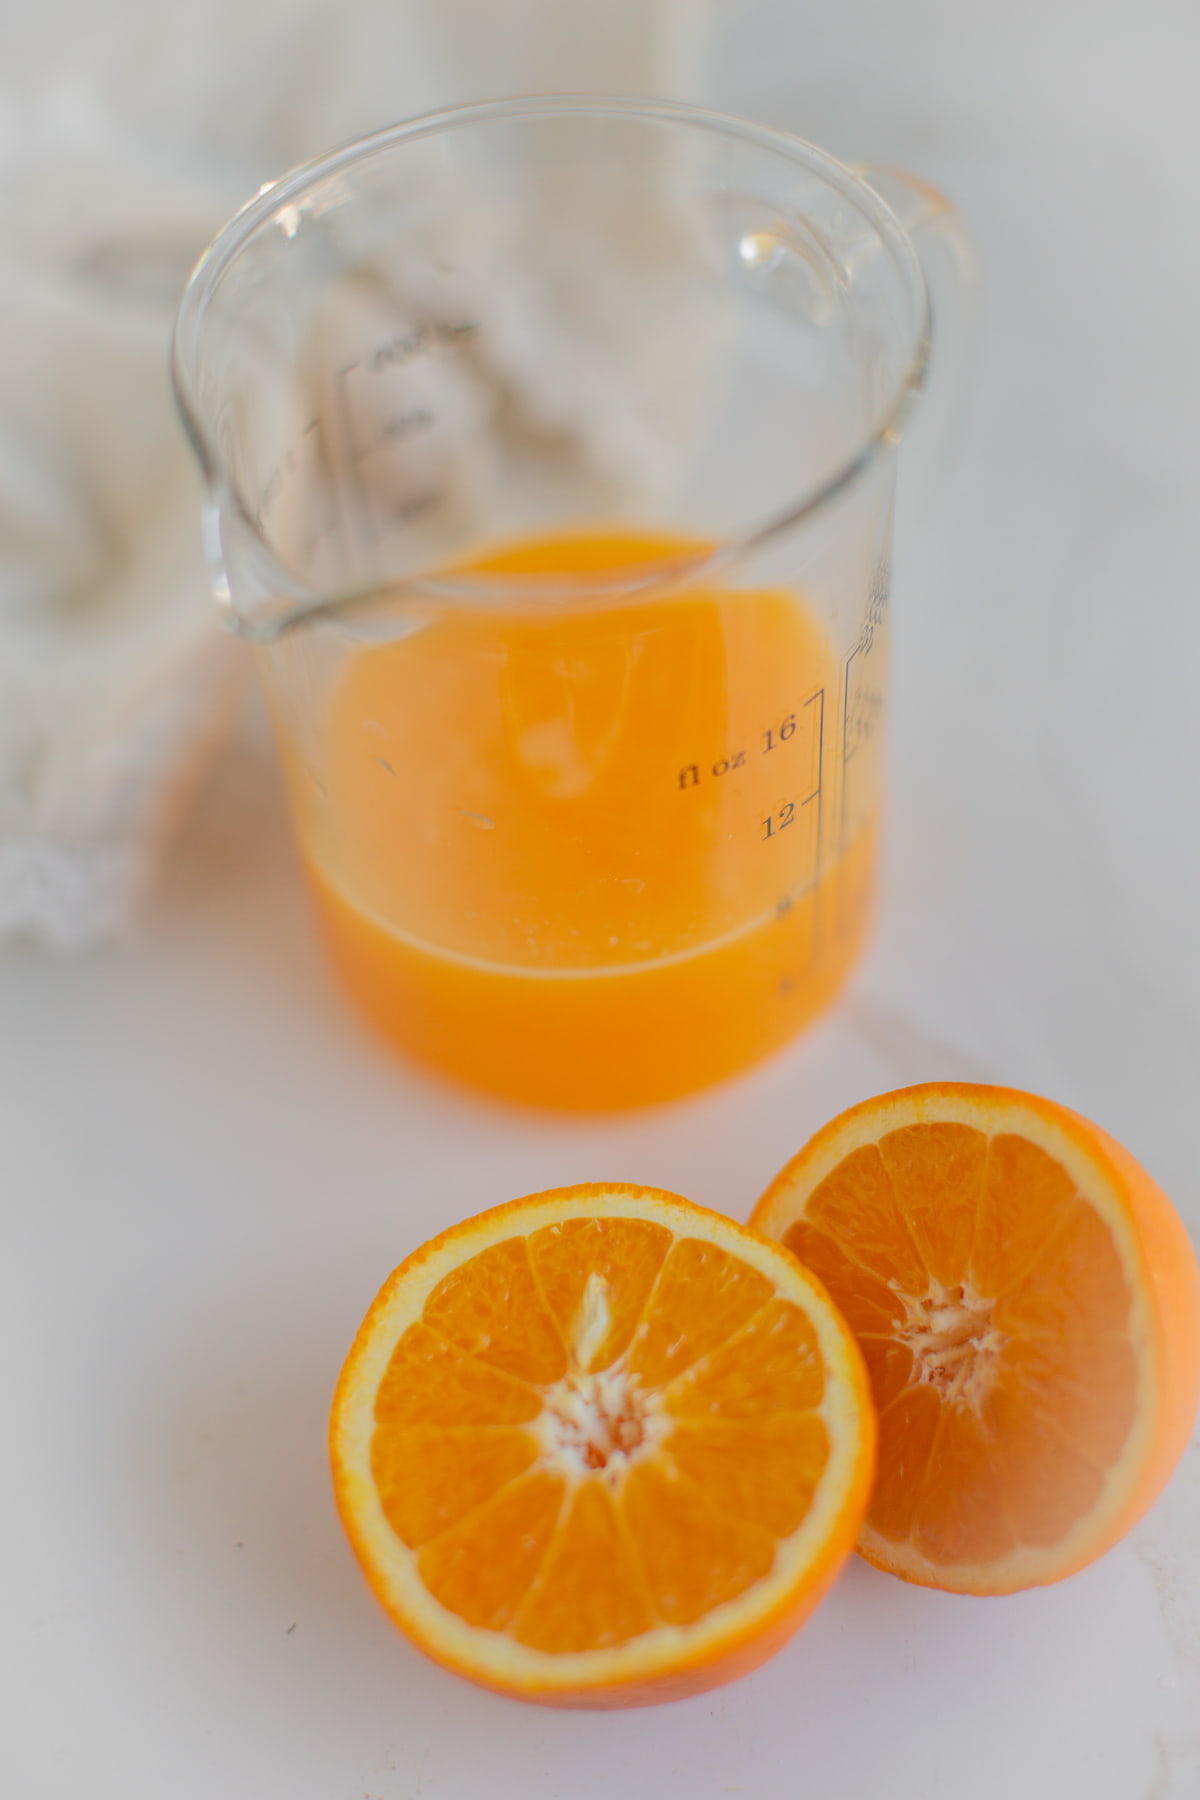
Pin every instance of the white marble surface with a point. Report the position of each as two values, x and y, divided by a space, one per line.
208 1167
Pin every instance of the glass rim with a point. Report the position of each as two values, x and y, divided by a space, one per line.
466 586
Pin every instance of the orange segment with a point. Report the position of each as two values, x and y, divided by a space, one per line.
703 1295
428 1381
772 1365
601 1447
1047 1483
462 1569
694 1554
764 1471
856 1205
907 1429
960 1515
890 1366
936 1173
1094 1387
497 1315
1028 1306
1074 1291
868 1304
429 1477
1009 1238
596 1276
569 1608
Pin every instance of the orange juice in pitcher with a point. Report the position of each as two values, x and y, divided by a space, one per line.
620 878
550 448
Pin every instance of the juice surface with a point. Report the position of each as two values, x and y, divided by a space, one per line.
588 855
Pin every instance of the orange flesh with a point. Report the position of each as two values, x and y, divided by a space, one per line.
993 1310
575 1477
592 857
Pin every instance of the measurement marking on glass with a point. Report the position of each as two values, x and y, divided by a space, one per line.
819 899
352 462
778 821
419 342
774 737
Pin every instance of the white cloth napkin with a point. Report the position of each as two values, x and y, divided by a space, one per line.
137 131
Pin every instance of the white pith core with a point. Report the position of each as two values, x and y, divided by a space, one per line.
953 1343
596 1421
602 1422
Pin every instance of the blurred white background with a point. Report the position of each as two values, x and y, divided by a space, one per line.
210 1167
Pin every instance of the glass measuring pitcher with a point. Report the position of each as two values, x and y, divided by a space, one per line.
549 448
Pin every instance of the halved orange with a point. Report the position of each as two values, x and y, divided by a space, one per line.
1028 1305
601 1447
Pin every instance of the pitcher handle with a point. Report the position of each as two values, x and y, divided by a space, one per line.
947 258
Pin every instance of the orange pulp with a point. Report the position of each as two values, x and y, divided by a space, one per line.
600 1447
1028 1306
